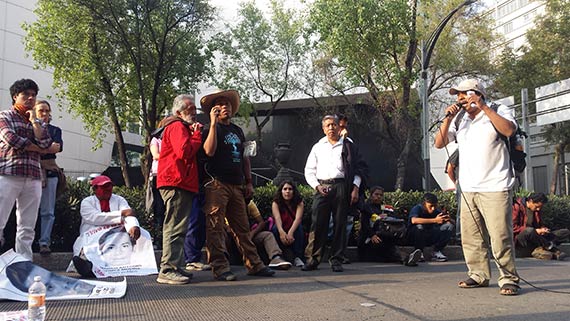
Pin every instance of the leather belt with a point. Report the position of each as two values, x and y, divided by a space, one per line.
331 181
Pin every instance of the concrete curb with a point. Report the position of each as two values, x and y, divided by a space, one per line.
58 261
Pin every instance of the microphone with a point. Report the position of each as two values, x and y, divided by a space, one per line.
458 104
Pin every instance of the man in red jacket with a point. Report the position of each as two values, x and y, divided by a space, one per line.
177 181
530 234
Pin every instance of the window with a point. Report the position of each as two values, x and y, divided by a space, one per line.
540 179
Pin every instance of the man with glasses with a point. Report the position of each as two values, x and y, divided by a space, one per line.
23 138
334 170
177 181
486 179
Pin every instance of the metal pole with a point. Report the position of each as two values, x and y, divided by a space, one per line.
528 179
427 50
425 124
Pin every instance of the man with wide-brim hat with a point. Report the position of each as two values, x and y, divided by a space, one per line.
228 183
207 102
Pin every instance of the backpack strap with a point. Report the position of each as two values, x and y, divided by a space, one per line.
457 120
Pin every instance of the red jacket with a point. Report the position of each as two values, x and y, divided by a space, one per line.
177 165
520 219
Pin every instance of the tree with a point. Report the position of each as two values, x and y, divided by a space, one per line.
260 57
375 45
117 61
545 59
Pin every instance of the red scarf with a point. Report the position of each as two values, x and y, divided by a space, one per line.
103 193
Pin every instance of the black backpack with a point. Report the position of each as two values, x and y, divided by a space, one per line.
514 143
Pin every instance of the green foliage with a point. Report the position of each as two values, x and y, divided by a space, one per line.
68 216
119 61
556 212
375 44
260 56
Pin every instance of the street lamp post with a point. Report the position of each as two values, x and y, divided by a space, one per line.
426 51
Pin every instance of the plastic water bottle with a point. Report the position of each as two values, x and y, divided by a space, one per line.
37 300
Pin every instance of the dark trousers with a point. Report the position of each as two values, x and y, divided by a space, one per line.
383 252
298 245
437 235
528 239
158 205
196 234
336 202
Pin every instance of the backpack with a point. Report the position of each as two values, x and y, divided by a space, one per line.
514 143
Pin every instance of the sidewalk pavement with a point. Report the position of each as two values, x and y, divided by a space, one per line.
365 291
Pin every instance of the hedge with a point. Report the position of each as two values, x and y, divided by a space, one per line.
556 213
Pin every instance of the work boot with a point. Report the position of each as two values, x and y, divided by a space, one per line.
542 254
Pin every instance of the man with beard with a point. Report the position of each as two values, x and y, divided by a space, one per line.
177 181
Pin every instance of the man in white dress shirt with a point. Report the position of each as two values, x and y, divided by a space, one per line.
333 170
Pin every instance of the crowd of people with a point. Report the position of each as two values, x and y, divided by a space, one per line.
201 186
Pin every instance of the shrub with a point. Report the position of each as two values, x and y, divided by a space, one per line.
556 213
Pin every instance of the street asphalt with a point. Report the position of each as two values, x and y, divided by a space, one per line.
364 291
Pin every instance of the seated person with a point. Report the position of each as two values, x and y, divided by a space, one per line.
102 209
428 226
530 234
261 237
287 210
376 243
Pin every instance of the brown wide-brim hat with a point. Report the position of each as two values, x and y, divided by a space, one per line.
207 102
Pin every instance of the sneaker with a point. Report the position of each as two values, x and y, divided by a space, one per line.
172 277
185 272
437 256
198 266
298 262
422 258
560 256
264 272
45 250
279 263
413 258
226 276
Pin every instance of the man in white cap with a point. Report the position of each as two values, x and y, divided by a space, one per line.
486 179
227 185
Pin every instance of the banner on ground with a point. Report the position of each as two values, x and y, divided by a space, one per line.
17 275
113 252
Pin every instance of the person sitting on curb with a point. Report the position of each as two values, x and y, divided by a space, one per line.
287 209
531 236
429 226
103 208
262 238
376 243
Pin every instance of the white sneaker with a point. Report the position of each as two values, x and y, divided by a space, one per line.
298 262
198 266
437 256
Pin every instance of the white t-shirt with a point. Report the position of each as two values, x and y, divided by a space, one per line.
484 163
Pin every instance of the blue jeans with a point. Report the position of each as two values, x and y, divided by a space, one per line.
298 245
196 234
437 235
47 210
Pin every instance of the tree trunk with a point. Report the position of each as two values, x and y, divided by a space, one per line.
121 150
554 181
401 165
